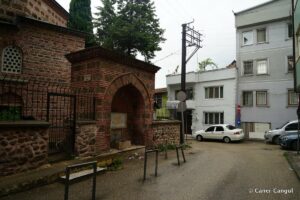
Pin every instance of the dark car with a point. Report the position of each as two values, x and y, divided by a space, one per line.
289 141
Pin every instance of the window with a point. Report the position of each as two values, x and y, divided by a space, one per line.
214 92
290 30
261 98
261 35
214 118
262 66
11 60
248 67
219 128
210 129
158 100
248 38
189 93
230 127
10 106
247 98
291 127
292 98
290 63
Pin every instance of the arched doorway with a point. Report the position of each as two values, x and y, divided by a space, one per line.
127 117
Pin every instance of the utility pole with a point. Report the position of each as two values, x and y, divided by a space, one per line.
190 38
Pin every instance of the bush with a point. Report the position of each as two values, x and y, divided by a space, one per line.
117 163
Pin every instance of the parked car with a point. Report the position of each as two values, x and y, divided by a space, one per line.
289 141
272 136
224 132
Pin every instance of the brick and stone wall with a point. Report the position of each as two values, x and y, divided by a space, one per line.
85 142
44 10
166 132
23 146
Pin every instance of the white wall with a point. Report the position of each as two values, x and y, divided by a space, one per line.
221 77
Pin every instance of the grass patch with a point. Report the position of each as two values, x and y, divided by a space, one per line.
163 147
117 163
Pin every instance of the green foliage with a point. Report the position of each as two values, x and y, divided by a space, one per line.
116 164
129 26
10 113
163 147
205 63
81 19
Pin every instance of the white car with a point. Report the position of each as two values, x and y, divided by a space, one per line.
224 132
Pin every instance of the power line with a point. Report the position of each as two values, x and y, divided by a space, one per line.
163 58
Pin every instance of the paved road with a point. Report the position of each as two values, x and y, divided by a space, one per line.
238 171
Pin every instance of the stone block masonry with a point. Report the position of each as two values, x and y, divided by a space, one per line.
85 144
23 146
166 132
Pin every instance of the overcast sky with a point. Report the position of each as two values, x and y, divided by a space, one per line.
214 19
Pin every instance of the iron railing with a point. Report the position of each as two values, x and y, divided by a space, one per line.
30 99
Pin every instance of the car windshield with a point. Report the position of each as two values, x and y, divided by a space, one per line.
230 127
282 125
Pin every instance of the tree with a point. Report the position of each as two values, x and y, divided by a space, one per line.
81 19
205 63
104 20
129 26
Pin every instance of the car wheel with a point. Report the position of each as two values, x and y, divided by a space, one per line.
294 146
276 140
199 138
226 139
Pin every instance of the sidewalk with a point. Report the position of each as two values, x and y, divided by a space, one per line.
294 161
50 173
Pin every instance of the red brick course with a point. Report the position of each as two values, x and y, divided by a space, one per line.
45 10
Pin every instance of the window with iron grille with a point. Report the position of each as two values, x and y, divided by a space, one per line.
213 117
292 98
247 98
248 67
11 60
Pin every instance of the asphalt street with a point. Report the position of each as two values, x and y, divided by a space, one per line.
214 170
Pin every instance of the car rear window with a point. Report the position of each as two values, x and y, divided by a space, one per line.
230 127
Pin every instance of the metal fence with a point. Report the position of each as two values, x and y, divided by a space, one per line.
32 99
57 103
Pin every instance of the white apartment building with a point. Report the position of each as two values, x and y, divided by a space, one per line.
211 97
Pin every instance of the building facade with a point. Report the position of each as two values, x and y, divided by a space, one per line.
211 97
265 67
297 43
160 104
